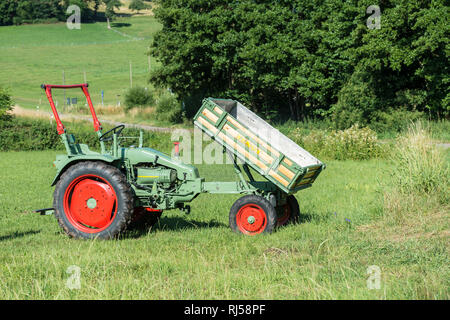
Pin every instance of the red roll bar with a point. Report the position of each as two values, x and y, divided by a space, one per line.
84 87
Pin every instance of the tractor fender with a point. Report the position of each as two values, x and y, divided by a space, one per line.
64 162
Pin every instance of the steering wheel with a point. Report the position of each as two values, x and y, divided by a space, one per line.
107 135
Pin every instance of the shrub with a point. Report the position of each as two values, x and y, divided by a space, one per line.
5 105
312 142
356 101
138 97
23 134
393 120
354 143
169 109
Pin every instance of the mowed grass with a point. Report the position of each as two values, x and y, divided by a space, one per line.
36 54
326 256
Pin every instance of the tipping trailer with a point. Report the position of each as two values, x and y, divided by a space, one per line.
258 144
100 194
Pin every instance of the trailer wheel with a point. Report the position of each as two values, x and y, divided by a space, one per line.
252 215
289 212
93 200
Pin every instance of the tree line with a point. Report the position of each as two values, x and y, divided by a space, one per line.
35 11
302 59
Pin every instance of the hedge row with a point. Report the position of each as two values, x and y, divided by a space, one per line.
22 134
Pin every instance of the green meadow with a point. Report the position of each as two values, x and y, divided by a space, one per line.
342 234
36 54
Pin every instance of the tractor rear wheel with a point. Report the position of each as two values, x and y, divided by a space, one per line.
289 212
252 215
93 200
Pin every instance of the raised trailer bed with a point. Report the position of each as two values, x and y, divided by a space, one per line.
258 144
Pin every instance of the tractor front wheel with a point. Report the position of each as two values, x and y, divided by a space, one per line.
93 200
252 215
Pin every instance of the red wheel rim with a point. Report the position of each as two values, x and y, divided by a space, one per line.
90 203
285 215
251 219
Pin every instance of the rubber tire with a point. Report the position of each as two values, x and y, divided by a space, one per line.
264 204
118 181
294 213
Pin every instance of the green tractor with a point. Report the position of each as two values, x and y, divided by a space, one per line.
101 194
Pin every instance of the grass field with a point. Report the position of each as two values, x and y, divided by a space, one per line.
326 256
36 54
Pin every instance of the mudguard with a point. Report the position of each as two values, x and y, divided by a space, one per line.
63 162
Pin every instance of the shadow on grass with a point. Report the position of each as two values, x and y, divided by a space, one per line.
16 234
173 224
307 217
181 224
120 24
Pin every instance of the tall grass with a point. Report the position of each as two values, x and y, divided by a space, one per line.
418 188
420 165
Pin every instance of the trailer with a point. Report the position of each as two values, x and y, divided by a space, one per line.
100 194
258 144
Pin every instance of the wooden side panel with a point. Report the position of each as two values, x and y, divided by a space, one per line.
242 151
229 130
253 136
279 178
218 110
288 173
208 125
211 116
287 161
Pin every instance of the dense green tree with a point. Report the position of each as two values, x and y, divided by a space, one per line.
110 12
138 5
301 58
5 105
31 10
401 66
8 10
86 12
